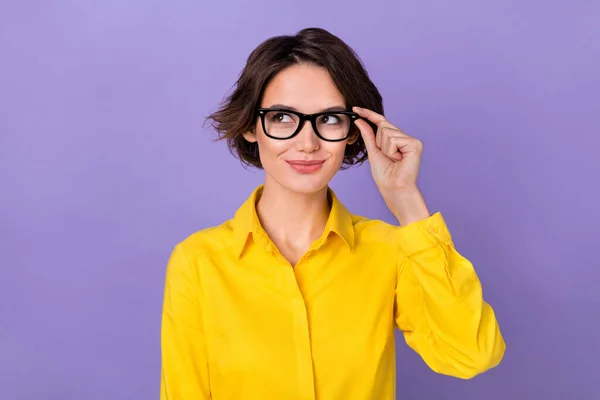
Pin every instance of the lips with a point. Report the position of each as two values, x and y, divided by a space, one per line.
306 166
305 162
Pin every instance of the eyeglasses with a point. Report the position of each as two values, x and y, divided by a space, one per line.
331 126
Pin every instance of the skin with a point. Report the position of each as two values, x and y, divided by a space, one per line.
293 208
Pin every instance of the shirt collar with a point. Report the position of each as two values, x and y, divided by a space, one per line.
246 222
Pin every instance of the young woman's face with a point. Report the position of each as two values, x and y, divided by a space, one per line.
307 89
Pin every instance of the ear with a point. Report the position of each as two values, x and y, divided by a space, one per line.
354 136
250 136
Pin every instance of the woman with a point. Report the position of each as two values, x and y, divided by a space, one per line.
294 297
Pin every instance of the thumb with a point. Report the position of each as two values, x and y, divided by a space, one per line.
368 137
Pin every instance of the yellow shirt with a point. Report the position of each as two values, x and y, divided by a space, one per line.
240 323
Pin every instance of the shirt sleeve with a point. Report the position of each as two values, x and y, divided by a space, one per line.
439 305
184 372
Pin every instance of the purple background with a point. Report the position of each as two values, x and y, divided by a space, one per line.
104 166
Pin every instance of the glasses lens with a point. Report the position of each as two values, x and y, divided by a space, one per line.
334 126
281 124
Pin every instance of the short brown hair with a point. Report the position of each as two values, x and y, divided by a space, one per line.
317 46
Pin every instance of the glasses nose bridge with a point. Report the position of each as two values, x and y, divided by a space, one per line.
310 119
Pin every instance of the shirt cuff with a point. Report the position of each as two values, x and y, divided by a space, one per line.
423 234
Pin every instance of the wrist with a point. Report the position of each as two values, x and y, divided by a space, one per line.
408 206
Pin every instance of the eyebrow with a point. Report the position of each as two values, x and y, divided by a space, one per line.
329 109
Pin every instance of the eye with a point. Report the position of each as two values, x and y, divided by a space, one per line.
329 119
281 118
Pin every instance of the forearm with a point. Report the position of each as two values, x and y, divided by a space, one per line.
408 205
440 304
464 336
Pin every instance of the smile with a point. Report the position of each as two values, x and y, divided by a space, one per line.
306 167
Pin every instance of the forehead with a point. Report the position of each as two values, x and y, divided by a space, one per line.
306 87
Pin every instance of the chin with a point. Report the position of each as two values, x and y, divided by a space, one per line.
304 184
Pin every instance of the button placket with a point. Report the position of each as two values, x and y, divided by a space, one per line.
306 389
303 348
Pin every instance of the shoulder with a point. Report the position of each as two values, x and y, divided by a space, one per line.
374 230
207 241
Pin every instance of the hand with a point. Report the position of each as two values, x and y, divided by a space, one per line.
395 159
394 156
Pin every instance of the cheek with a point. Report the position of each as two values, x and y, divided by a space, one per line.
269 149
337 150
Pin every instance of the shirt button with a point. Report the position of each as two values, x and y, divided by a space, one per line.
433 229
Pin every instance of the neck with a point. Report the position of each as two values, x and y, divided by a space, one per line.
290 218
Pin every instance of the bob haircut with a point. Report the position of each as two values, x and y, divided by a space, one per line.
237 114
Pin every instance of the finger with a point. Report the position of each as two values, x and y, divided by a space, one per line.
396 156
379 136
370 115
407 145
391 147
385 128
393 131
382 139
378 120
387 132
368 137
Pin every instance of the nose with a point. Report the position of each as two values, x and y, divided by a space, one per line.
307 140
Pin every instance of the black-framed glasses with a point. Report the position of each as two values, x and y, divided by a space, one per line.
331 126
